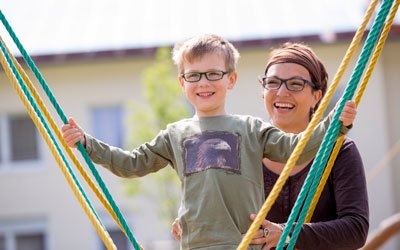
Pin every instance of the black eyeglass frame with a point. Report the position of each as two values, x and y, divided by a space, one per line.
262 79
223 73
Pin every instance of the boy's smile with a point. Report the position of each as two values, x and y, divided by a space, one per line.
208 97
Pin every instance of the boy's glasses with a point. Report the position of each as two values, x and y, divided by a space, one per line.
214 75
294 84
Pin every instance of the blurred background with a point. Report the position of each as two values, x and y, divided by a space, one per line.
108 64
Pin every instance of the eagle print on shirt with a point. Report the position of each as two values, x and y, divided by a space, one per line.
217 150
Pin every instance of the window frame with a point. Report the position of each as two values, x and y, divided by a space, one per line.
110 225
6 163
122 116
10 229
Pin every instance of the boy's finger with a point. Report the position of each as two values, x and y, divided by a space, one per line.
72 122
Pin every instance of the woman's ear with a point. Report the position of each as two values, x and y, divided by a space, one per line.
317 97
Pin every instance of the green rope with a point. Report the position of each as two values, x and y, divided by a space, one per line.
63 117
331 135
44 123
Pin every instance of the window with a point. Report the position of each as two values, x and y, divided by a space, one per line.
119 239
2 242
19 142
107 125
30 241
23 235
23 141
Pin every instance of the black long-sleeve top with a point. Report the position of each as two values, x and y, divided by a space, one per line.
341 218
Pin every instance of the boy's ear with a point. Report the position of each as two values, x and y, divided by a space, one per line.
181 82
232 79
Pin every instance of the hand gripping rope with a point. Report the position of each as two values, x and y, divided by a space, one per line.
20 82
334 127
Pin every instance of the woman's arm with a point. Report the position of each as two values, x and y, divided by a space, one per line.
350 229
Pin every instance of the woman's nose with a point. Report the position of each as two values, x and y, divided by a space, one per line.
282 90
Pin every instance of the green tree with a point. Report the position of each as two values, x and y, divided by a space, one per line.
164 103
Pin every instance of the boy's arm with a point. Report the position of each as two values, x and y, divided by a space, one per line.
147 158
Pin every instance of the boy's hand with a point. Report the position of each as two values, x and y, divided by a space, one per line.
176 230
349 113
72 133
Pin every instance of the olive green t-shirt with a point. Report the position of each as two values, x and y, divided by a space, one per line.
217 160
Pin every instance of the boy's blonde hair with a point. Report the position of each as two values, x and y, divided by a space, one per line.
196 47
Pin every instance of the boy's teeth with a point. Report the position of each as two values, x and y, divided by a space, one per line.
205 94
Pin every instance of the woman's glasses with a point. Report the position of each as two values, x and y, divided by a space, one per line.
294 84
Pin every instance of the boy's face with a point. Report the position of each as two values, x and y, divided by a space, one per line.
208 97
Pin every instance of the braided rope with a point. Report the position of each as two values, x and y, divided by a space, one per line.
360 93
56 130
304 199
32 66
307 133
31 108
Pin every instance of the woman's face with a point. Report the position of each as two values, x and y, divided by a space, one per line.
290 111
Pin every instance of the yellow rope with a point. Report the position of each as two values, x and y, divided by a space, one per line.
307 133
360 92
53 125
103 234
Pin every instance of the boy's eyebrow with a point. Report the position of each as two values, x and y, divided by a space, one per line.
208 70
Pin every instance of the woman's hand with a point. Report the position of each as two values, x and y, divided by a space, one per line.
268 236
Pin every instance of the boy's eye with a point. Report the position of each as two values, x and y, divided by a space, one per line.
214 75
192 76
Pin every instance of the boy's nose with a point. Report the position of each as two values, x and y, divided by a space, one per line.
203 81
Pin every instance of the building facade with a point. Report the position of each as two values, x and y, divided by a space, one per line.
37 208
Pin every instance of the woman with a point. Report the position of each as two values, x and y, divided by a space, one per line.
294 83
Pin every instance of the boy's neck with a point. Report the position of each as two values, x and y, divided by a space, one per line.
209 115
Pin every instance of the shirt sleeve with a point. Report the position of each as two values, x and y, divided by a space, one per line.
278 146
350 229
147 158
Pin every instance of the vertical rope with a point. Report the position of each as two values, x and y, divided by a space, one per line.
359 94
329 139
317 116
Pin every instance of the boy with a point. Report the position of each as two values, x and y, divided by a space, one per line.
215 155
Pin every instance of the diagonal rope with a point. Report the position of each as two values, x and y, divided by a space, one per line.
36 117
317 167
63 117
56 130
360 93
317 116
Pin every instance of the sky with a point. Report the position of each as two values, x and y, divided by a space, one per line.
59 26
